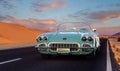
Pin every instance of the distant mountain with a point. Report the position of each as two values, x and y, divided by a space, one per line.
116 34
17 33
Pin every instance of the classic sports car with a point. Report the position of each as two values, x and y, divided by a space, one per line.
69 40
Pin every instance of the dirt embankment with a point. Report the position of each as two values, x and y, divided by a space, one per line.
115 46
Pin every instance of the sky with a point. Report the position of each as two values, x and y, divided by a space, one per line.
44 14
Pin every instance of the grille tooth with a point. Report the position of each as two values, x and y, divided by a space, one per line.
66 45
55 45
62 45
72 45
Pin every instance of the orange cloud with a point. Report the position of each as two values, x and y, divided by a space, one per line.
49 6
56 5
43 21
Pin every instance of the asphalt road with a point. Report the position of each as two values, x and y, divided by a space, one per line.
29 59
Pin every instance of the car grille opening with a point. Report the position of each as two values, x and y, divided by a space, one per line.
42 45
72 47
86 48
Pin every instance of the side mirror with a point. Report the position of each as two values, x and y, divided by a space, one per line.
94 30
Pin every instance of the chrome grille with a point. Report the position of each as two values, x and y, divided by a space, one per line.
54 46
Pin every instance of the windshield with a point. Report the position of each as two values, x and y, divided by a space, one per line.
73 27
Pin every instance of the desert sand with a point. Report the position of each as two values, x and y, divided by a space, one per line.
14 36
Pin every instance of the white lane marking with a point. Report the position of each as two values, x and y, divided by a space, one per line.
13 60
109 67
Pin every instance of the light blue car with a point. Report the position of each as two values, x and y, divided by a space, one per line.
69 40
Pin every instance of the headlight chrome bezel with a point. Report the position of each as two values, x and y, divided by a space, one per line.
90 38
87 38
84 38
42 38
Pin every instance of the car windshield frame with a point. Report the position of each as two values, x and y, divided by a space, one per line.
70 27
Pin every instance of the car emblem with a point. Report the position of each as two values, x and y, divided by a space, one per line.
64 38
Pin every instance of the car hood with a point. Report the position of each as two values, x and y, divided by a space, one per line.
64 36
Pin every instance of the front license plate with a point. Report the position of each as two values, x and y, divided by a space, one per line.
63 50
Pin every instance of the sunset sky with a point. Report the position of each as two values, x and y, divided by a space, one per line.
44 14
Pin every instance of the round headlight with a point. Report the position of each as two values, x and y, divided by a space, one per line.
84 38
43 38
90 39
